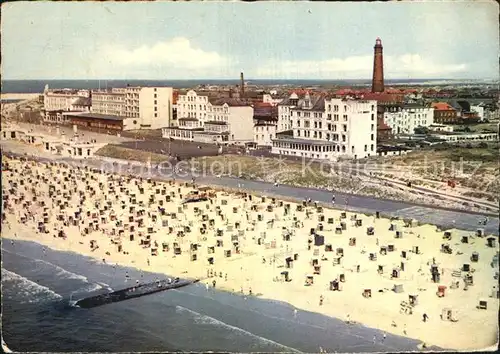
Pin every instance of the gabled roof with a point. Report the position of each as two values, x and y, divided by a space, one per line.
232 102
442 106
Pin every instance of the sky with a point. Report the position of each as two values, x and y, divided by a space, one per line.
266 40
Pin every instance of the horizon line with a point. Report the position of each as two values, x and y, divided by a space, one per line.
252 79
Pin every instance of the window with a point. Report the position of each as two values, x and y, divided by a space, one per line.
329 116
371 147
156 115
373 127
320 127
373 116
372 137
366 147
345 117
156 102
344 127
156 95
156 108
315 125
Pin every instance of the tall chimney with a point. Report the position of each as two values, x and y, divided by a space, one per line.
242 85
378 67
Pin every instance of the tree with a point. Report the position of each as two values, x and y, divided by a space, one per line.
421 130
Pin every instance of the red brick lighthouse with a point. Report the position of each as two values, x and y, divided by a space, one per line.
378 67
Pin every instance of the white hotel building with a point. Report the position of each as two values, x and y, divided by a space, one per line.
327 128
58 101
404 118
218 120
141 107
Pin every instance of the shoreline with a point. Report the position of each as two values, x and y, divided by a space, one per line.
281 323
256 275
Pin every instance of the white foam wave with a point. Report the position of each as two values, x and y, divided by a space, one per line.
25 287
204 319
61 272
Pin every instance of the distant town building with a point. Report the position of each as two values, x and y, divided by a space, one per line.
110 102
57 101
193 105
328 128
214 120
284 112
274 100
265 118
464 111
441 128
129 108
480 110
404 118
384 132
444 113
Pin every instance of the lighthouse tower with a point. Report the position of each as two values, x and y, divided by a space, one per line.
378 67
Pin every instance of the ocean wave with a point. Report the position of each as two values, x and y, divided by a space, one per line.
25 287
207 320
61 272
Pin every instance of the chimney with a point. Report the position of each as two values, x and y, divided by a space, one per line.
242 85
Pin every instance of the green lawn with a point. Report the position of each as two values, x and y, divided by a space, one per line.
118 152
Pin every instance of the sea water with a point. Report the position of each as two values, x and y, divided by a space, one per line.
39 284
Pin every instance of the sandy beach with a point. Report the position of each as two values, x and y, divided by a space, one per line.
395 275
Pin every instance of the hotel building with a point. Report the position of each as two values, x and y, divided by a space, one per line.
404 118
327 128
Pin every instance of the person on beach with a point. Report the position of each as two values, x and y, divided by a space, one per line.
383 337
333 199
295 312
214 283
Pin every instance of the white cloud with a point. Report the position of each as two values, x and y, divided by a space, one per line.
361 67
177 51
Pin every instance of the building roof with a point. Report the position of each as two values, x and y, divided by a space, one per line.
265 124
305 141
383 97
95 116
186 119
381 125
204 132
216 122
184 128
317 102
441 106
232 102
